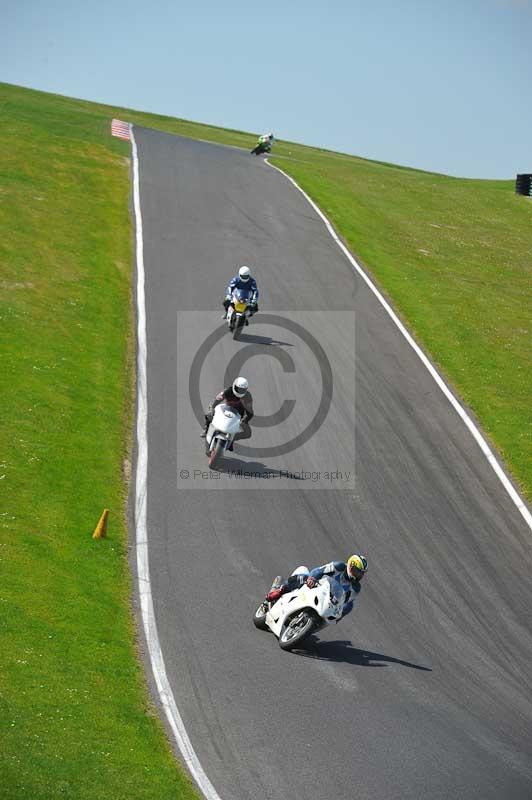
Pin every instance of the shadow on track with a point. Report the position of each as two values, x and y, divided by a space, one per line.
342 651
249 338
249 470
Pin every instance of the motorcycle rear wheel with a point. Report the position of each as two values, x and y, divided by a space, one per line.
298 628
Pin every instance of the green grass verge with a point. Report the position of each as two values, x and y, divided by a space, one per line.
75 719
455 257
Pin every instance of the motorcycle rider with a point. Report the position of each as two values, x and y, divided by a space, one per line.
266 138
348 573
243 280
239 398
264 142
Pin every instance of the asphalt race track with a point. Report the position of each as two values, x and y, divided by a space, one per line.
425 690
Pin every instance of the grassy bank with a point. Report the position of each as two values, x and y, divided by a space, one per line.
75 718
454 256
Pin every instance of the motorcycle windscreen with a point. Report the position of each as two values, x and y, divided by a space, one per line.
226 419
241 298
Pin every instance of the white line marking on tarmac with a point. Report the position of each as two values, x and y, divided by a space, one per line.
527 516
148 617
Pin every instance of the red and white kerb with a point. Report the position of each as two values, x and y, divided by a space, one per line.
120 129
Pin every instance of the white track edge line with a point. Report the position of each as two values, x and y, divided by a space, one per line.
148 616
506 482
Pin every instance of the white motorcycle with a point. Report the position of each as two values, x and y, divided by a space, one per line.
297 614
226 423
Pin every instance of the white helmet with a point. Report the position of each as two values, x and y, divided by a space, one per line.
240 387
244 274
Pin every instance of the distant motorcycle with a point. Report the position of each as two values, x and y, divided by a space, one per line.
262 147
239 310
221 432
297 614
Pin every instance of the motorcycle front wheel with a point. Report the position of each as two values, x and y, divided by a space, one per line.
215 453
296 629
238 327
259 618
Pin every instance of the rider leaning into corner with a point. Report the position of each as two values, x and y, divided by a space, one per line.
348 573
239 398
243 280
266 139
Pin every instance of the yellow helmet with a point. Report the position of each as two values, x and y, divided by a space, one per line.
357 566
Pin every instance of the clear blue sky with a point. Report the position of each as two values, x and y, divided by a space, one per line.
444 86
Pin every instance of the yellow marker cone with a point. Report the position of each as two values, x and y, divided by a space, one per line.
101 528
